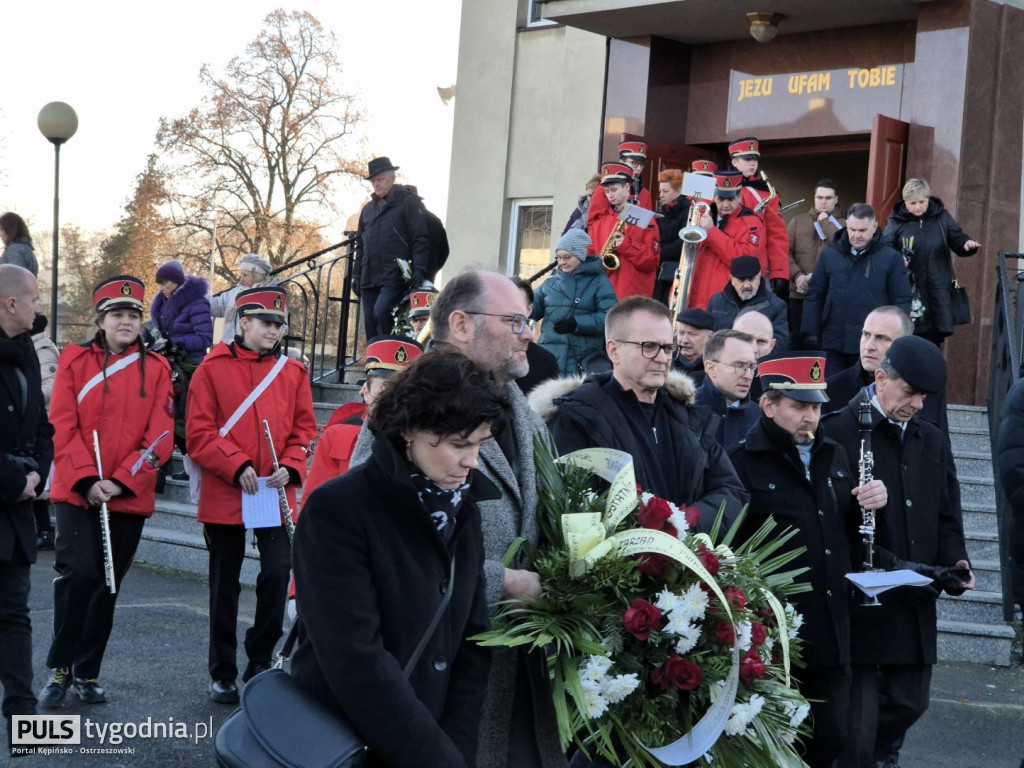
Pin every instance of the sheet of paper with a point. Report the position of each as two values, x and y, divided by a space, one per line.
876 583
695 184
636 216
261 509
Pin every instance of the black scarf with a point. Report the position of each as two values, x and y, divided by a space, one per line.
441 504
15 351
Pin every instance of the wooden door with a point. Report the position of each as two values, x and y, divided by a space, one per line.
887 165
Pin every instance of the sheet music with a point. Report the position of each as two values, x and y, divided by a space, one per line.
876 583
636 216
261 509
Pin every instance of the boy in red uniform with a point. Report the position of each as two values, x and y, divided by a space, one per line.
634 154
737 232
110 385
236 388
745 155
637 248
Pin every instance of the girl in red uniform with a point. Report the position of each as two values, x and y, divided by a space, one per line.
234 389
112 386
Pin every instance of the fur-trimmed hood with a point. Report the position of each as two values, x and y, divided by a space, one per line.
545 397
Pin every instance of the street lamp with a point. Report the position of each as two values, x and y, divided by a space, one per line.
58 122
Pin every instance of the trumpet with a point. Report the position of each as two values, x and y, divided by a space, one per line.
282 495
772 194
609 257
866 466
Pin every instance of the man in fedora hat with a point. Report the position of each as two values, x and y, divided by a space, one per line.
392 226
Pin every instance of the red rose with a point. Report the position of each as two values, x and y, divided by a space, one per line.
654 514
751 667
708 559
736 598
724 633
758 634
641 619
766 613
652 564
692 516
677 671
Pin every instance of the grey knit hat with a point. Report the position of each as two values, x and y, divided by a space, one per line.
576 242
253 262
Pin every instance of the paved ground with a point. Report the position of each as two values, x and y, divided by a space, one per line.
155 669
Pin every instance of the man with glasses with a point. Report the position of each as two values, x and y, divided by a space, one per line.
731 365
483 315
643 409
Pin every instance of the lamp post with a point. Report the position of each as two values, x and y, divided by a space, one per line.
58 122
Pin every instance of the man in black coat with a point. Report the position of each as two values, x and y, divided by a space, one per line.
856 274
26 452
893 646
803 480
1010 465
731 365
392 226
746 291
694 327
881 328
639 408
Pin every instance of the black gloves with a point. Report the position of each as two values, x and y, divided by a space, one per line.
566 326
944 577
356 286
780 286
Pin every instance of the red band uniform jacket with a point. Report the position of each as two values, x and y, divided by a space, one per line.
639 253
126 421
776 236
741 235
220 384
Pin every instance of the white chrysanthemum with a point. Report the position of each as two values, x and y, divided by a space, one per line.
797 713
645 498
742 715
795 622
769 643
596 668
743 635
667 601
695 600
688 638
615 689
596 704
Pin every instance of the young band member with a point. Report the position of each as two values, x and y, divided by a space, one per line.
236 388
634 154
419 310
635 249
745 154
112 387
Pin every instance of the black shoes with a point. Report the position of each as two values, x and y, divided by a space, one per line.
44 541
89 691
252 669
224 692
183 475
56 691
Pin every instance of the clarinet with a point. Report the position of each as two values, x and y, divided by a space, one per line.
282 496
866 467
108 549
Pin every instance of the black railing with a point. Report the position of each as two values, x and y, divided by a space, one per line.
1004 372
323 312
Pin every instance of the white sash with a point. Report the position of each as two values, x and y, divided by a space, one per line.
260 389
120 365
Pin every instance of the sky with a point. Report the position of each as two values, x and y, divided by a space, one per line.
123 65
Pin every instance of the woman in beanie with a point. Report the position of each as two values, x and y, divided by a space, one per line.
572 303
182 311
253 272
112 387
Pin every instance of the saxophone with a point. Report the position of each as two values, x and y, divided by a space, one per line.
866 466
609 258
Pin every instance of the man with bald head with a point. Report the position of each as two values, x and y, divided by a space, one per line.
484 316
758 327
26 451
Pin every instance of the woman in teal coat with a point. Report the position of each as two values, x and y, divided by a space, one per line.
572 303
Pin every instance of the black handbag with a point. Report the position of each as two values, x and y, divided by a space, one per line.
959 303
280 724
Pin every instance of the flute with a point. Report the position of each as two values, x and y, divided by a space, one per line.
282 496
108 549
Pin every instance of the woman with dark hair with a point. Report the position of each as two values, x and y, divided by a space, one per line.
109 387
17 243
372 558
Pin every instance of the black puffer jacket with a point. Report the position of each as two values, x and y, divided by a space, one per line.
388 231
930 238
674 219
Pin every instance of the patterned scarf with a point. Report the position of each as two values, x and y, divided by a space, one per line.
441 504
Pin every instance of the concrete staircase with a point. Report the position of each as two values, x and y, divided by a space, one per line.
970 627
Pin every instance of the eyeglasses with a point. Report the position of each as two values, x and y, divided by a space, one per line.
740 368
650 349
517 322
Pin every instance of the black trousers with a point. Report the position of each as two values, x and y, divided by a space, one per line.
796 318
829 714
83 608
885 701
41 510
226 544
378 301
15 639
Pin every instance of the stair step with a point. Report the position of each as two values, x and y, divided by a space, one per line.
980 517
990 644
987 575
176 516
967 439
176 491
967 416
981 545
187 552
976 490
972 607
974 464
338 393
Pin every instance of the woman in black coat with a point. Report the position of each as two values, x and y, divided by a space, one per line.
372 556
924 231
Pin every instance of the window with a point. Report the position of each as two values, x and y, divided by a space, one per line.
535 14
529 247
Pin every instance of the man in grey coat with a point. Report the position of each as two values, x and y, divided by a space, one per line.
484 315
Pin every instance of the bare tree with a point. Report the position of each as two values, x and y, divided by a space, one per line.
261 151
